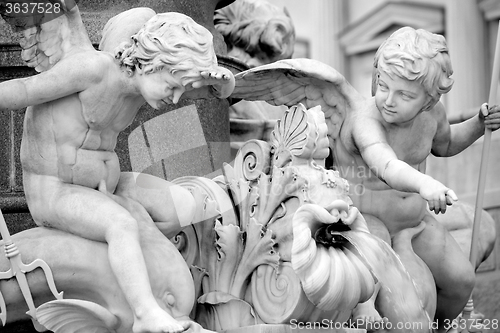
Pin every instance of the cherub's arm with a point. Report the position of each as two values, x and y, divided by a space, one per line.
451 140
370 138
67 77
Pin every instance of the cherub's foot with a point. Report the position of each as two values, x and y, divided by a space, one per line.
158 321
477 316
366 317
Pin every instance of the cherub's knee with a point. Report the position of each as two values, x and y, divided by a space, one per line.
123 226
464 282
468 280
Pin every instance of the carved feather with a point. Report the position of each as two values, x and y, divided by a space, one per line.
306 81
49 36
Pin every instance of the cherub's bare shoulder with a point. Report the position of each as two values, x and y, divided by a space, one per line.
365 115
438 112
89 66
363 127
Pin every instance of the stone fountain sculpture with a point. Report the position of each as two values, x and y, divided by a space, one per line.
76 107
280 243
275 240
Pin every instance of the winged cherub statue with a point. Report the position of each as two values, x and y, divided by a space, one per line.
77 105
380 144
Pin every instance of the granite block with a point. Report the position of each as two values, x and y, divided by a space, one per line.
5 151
17 172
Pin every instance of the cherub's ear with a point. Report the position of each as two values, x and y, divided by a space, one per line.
374 80
431 102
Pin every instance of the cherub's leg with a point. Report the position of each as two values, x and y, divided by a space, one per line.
93 215
168 204
452 271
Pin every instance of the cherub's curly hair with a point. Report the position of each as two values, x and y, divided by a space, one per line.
416 55
256 25
170 40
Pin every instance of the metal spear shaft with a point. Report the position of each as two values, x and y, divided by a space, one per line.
482 173
484 156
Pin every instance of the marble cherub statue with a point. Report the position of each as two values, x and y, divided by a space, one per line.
256 31
77 106
380 144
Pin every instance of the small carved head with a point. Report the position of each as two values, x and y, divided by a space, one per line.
416 55
169 40
256 31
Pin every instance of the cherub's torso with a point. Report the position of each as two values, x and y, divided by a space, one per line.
73 138
371 195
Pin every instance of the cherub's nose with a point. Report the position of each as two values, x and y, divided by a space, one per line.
390 99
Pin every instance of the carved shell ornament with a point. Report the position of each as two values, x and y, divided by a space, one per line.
331 273
300 136
331 269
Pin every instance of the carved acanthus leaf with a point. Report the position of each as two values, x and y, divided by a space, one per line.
259 250
229 245
222 311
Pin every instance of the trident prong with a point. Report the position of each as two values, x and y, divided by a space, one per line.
18 270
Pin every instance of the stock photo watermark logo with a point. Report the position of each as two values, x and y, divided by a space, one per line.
25 14
459 324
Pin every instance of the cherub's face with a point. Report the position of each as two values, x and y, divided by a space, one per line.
399 100
161 88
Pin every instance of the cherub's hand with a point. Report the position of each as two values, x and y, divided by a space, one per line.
490 116
221 80
437 195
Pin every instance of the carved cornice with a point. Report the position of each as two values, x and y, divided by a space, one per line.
490 9
367 33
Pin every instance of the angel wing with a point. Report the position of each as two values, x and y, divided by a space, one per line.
50 32
292 81
72 315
